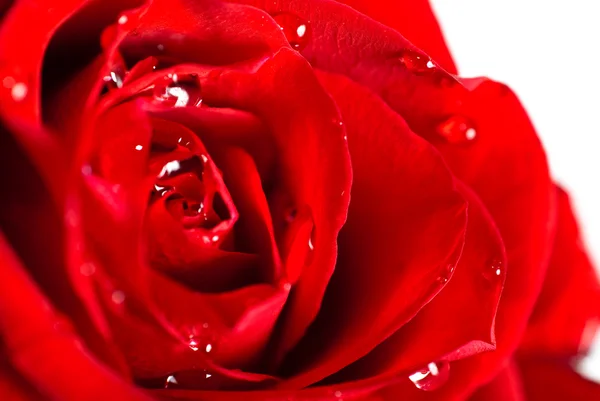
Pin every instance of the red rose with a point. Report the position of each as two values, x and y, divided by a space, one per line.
274 200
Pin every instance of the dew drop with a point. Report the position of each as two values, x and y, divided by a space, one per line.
457 129
178 91
86 170
494 269
431 377
114 78
123 20
416 62
446 274
193 344
310 252
160 47
18 90
296 30
87 269
200 343
171 382
118 297
337 394
177 167
139 147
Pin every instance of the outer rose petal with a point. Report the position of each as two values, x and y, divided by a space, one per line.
459 321
547 379
505 165
33 332
395 213
413 19
506 386
13 386
568 310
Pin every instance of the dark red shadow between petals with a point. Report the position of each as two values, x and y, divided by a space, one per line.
395 213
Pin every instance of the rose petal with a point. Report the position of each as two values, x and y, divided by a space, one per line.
169 29
545 379
507 385
313 165
567 311
255 224
13 386
413 19
34 225
33 332
459 321
396 212
506 166
347 42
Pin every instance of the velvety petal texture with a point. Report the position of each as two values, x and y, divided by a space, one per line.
275 200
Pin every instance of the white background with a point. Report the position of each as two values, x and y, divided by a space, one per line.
548 52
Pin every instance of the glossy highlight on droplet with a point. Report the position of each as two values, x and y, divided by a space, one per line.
494 270
171 382
457 129
432 377
178 91
446 274
297 31
416 62
118 297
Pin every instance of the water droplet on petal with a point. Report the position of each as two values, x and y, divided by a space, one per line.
114 78
171 382
178 91
87 269
118 297
446 274
123 19
310 253
193 344
337 394
201 343
86 170
457 129
416 62
177 167
431 377
494 270
18 90
296 30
